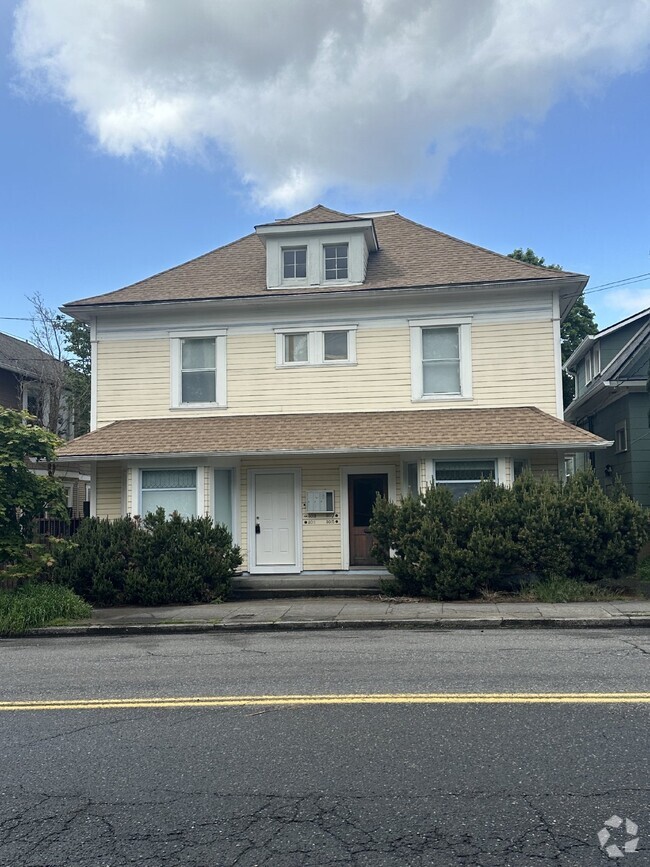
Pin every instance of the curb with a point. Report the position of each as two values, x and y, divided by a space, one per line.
630 621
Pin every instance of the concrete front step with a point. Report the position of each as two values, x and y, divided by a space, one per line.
308 584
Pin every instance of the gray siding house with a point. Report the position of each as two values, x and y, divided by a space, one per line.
30 380
611 374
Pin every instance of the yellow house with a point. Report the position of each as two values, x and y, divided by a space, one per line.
282 381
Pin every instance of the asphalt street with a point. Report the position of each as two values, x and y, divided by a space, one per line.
454 761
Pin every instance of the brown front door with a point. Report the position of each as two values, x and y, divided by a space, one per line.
362 493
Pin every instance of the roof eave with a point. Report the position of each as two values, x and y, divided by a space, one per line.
342 450
548 282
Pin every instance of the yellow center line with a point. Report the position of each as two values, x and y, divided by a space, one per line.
332 699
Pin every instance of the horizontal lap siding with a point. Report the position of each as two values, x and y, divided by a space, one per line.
381 379
108 482
545 463
513 364
133 379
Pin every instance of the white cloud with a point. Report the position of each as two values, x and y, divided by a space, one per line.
303 95
624 302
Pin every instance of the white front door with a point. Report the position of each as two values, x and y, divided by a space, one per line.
275 519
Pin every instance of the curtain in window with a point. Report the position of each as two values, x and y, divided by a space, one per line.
174 490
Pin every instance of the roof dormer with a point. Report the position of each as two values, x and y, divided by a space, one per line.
321 253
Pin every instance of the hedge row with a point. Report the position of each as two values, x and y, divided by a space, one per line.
150 561
498 537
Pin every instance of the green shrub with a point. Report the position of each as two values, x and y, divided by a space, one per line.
153 561
181 560
35 605
97 566
495 537
643 570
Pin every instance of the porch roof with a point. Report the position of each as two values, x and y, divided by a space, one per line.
327 433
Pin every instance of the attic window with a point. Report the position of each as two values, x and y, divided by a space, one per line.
336 261
294 263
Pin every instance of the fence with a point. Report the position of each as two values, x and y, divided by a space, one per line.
60 529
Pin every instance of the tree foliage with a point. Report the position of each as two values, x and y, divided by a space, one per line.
580 322
23 494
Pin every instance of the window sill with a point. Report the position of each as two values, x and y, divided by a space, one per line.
197 406
428 398
302 364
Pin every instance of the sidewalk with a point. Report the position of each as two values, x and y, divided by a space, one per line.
357 613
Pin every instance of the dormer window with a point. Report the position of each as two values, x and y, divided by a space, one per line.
325 254
294 263
336 261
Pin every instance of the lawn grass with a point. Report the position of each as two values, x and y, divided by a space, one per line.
565 590
35 605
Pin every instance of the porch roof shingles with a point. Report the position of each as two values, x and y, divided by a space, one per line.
332 432
410 255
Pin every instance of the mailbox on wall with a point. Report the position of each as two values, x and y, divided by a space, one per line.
320 502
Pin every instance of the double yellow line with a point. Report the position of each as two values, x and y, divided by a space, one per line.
332 699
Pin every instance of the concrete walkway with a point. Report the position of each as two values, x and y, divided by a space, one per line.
368 613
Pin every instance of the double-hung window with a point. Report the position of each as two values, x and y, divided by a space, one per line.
199 370
336 261
175 490
294 263
323 346
441 365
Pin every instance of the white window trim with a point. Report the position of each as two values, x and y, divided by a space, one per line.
329 281
499 469
200 483
464 324
294 281
176 339
69 494
621 426
316 346
595 360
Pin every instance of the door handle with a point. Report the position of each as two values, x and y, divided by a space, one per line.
257 529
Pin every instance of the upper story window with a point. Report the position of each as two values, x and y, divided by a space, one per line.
595 357
620 436
336 261
296 348
294 263
592 364
335 345
199 370
441 359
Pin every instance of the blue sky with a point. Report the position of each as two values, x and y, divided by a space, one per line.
89 205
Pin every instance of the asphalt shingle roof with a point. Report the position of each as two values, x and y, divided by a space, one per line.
332 432
26 359
410 255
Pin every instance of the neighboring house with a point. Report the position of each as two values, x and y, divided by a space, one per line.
281 382
32 380
610 370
